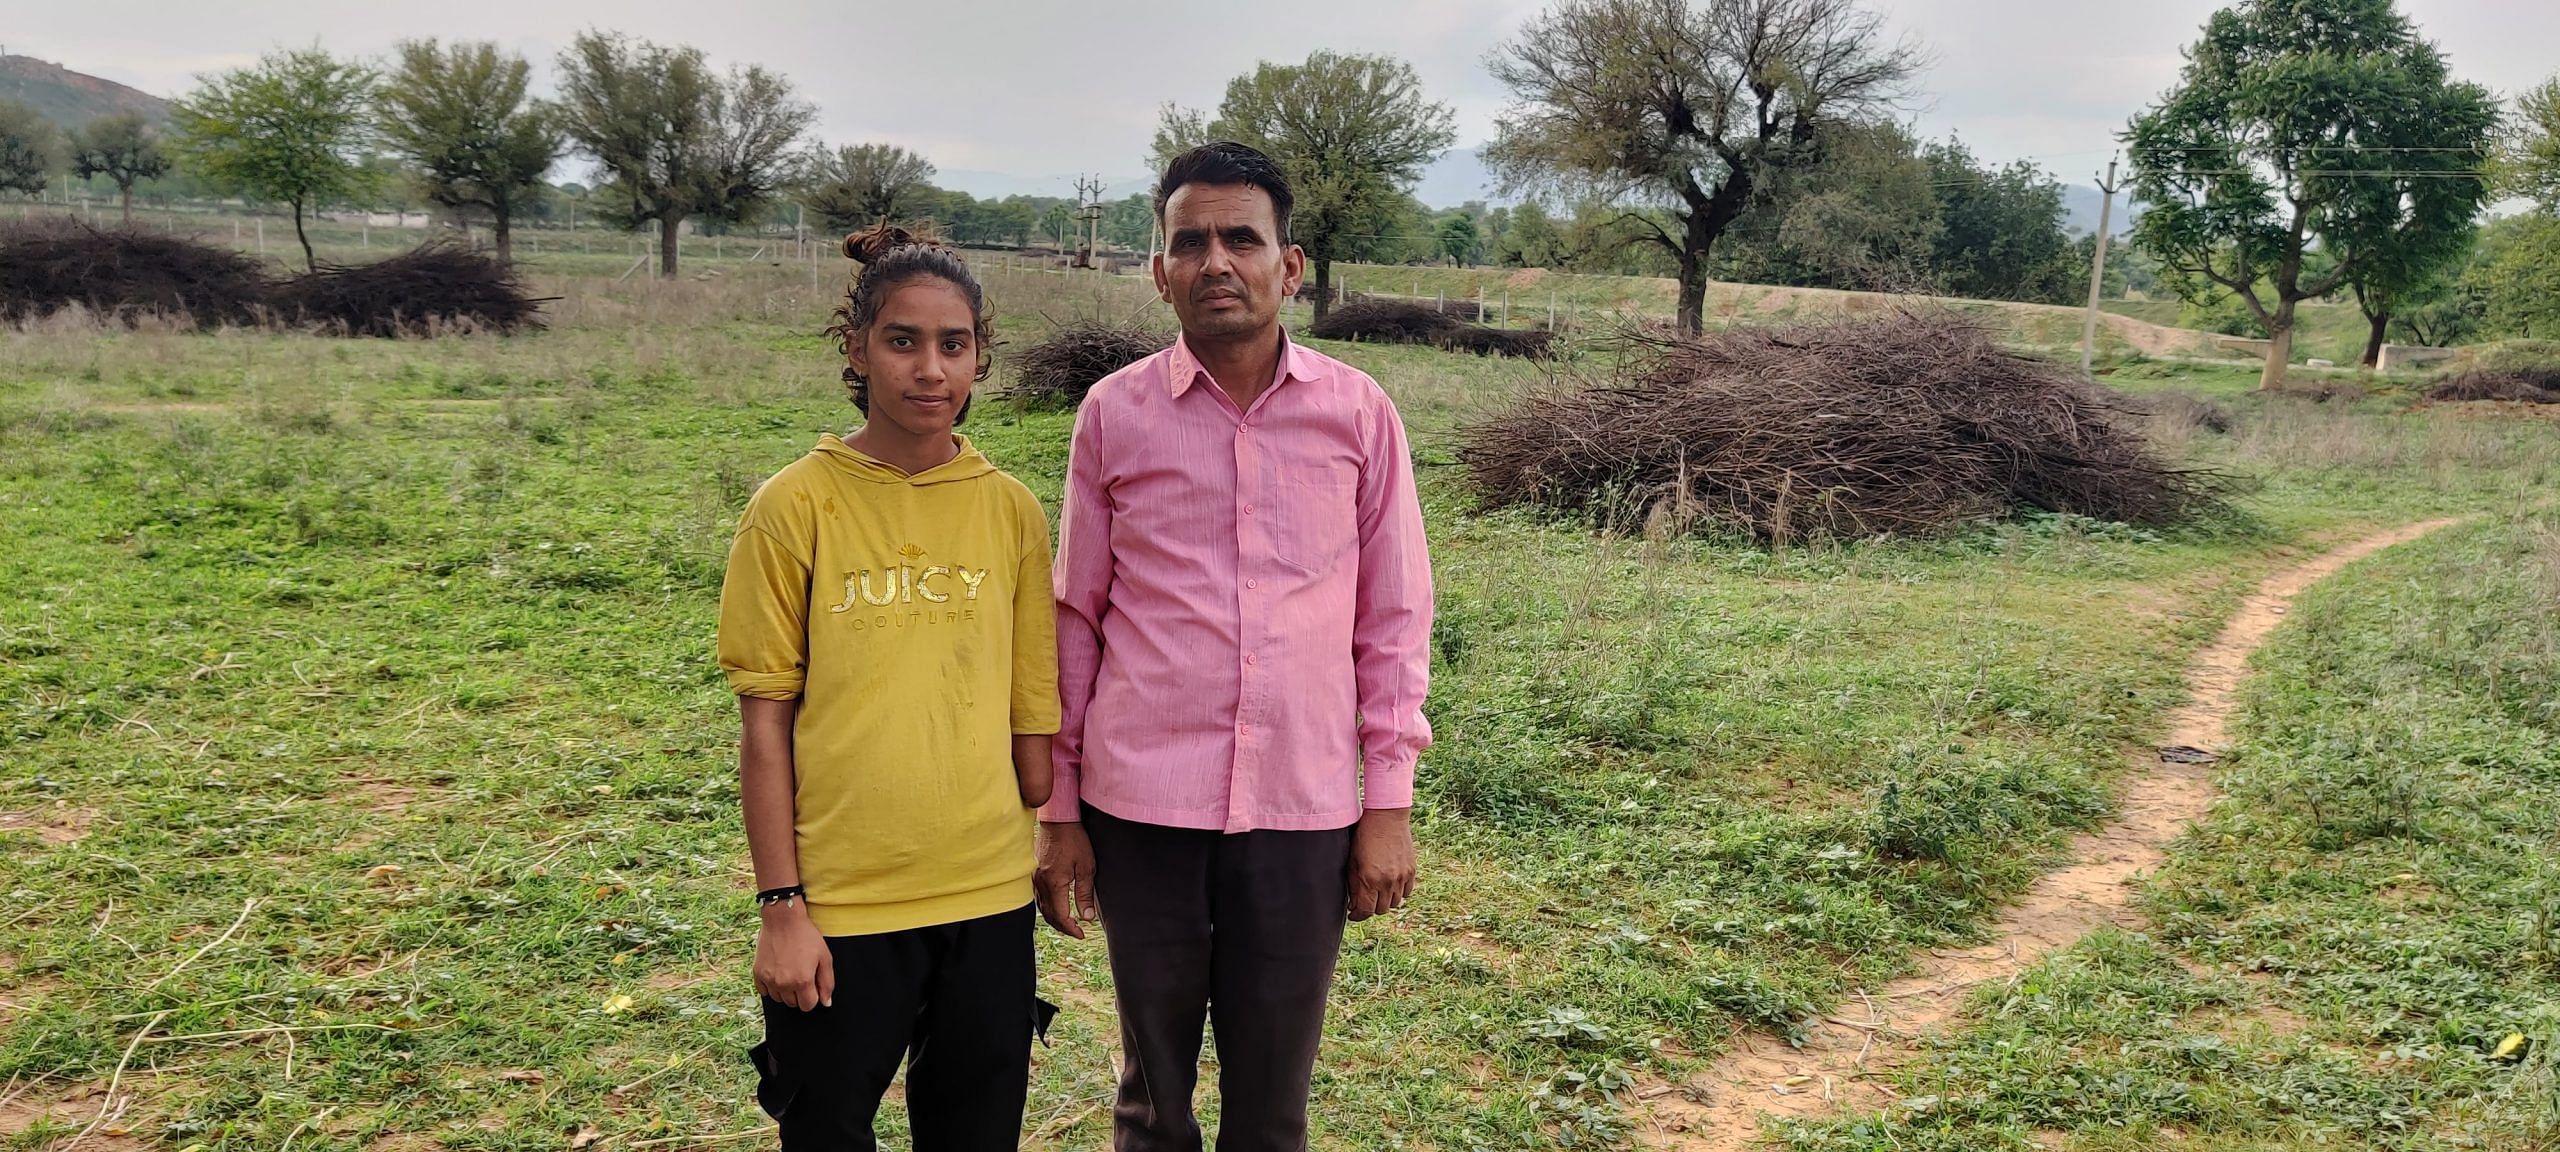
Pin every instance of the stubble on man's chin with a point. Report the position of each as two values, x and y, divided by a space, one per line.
1227 325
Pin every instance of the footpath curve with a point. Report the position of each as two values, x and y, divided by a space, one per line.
1839 1068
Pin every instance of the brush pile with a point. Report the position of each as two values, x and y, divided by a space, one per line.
1895 424
439 286
2520 385
47 266
124 274
1376 321
1058 371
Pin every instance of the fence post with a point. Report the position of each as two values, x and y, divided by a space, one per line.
1551 309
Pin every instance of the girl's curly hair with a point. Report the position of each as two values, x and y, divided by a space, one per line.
889 256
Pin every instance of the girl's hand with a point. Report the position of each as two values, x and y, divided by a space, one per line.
793 964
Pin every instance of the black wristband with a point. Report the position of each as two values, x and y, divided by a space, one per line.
778 895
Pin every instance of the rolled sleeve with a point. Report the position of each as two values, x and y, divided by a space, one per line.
764 616
1391 622
1035 630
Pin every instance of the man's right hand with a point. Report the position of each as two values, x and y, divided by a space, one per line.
1063 880
793 964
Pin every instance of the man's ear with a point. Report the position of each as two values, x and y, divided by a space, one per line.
1293 271
1155 264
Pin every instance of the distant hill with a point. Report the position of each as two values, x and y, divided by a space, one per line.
70 98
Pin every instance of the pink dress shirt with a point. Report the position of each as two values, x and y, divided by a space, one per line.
1244 601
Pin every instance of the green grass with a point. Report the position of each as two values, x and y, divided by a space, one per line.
2344 947
408 643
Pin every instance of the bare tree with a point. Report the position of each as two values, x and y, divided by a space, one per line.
1686 105
859 185
675 140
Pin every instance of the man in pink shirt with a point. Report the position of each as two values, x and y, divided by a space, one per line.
1244 622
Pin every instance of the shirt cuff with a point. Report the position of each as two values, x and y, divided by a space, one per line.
1387 786
766 685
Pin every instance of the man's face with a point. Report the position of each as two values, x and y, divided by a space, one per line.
1224 269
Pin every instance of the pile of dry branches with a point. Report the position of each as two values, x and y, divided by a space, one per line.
1900 423
1377 321
2522 385
435 287
51 265
1058 371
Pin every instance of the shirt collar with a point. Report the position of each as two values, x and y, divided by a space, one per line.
1296 363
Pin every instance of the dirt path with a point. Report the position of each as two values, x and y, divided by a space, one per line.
1719 1110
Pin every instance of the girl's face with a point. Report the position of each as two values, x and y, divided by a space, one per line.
920 355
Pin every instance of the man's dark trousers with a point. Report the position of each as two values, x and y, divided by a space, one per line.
1239 929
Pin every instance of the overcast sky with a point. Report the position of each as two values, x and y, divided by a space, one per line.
1038 90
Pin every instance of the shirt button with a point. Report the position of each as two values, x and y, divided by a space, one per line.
1248 658
1253 583
1248 509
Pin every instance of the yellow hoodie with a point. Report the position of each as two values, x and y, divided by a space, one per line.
911 618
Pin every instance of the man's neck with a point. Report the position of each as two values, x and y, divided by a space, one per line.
1243 366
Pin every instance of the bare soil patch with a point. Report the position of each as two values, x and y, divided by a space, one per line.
1838 1066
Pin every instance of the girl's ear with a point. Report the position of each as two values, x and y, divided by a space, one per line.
858 353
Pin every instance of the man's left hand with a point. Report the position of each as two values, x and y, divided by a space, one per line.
1381 862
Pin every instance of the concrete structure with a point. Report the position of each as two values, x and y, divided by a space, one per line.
2398 356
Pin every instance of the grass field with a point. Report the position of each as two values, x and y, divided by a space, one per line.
368 783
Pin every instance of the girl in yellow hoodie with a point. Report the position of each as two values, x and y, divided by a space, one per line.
887 625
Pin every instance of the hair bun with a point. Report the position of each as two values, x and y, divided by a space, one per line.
870 244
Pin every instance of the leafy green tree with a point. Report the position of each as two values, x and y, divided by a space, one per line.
675 140
2518 281
1130 221
2529 161
27 148
1459 240
2000 230
1533 240
1688 106
460 115
1861 214
291 129
860 185
1352 131
2302 136
122 148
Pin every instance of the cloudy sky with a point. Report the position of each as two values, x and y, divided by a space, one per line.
1030 92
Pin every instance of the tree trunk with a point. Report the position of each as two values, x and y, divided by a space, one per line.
309 261
670 227
1693 295
126 191
2373 342
2279 350
1324 290
506 243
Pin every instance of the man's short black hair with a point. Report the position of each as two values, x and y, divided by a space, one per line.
1227 162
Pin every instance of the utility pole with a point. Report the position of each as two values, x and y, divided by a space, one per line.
2098 267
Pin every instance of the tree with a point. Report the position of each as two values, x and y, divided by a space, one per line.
1859 214
2519 278
1353 133
122 148
293 128
860 185
2529 163
1459 240
1532 241
675 140
2302 136
461 116
1686 105
2000 230
26 148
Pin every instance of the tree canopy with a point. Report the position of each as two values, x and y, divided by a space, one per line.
293 128
2307 143
1353 132
860 185
1689 106
461 116
674 139
27 144
123 148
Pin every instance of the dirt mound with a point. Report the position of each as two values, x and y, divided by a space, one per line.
2522 385
1378 321
1903 422
438 286
51 265
1058 371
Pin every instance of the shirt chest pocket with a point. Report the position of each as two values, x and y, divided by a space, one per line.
1317 522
